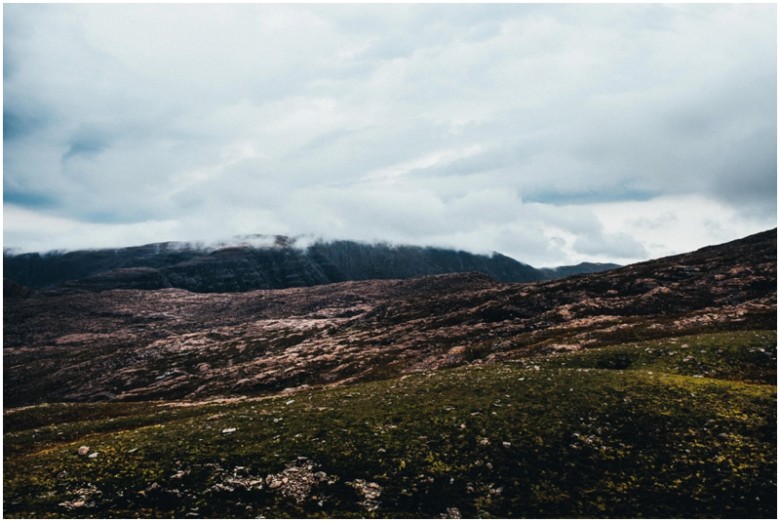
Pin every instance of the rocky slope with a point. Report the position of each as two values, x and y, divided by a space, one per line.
246 266
76 345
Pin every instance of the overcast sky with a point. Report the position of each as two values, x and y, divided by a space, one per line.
553 134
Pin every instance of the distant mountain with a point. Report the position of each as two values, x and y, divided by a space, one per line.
570 270
273 262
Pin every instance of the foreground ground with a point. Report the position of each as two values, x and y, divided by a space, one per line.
676 427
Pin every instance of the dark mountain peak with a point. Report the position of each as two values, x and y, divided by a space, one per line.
581 268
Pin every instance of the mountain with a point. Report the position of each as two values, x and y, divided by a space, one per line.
171 343
649 391
275 263
570 270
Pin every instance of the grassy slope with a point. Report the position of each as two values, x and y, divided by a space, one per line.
682 427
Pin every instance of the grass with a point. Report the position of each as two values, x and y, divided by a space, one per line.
633 430
740 356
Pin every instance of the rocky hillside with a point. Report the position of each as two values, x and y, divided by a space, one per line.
76 345
246 266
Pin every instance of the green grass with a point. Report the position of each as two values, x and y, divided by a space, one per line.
623 431
740 356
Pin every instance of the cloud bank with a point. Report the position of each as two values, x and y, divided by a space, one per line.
553 134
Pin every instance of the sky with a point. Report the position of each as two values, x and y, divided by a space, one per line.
554 134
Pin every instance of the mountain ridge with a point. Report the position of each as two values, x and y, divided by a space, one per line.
261 263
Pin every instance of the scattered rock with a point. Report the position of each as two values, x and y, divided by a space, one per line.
239 479
84 498
154 486
370 491
297 480
452 512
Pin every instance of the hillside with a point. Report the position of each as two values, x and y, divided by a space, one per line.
646 391
274 264
549 437
173 344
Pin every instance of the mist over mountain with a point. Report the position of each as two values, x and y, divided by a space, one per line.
261 263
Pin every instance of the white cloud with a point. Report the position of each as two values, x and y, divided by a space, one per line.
41 233
676 224
537 131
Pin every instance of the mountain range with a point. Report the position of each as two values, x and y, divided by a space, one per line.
261 263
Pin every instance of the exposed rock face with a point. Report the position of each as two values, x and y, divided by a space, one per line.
243 268
162 344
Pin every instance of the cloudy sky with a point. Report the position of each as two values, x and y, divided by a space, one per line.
553 134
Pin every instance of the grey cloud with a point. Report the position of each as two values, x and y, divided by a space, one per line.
600 195
85 146
17 125
616 244
28 199
471 123
747 178
489 161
